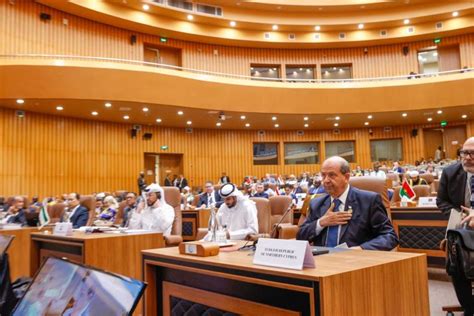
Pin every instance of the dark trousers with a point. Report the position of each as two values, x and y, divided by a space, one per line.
463 288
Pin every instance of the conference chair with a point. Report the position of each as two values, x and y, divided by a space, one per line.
263 215
119 215
396 194
422 190
173 198
434 187
395 179
428 177
279 204
56 212
120 194
88 201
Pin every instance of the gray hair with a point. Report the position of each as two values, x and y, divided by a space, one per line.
344 165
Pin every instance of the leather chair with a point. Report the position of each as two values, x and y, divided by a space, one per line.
88 201
396 195
279 204
422 191
120 194
395 179
56 212
119 215
196 200
434 187
428 177
263 215
173 198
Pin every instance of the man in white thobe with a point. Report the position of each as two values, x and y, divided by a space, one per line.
157 215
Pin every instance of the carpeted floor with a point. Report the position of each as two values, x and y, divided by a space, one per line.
441 294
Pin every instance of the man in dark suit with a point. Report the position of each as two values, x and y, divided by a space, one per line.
224 179
77 215
347 215
456 190
260 191
210 196
181 182
168 181
16 213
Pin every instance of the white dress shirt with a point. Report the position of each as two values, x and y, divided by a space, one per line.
241 220
467 193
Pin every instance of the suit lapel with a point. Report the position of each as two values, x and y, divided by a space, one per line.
462 178
351 202
324 208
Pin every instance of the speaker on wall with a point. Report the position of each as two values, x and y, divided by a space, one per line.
414 132
147 136
133 133
133 39
45 16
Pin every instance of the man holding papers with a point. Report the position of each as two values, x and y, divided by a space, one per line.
347 215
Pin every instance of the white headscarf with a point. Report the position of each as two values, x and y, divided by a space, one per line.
155 188
230 189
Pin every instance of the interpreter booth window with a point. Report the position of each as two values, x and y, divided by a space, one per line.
344 149
265 153
336 72
301 153
386 149
428 61
299 73
265 72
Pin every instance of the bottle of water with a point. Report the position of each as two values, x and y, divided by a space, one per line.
213 224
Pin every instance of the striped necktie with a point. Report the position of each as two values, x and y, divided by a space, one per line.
472 191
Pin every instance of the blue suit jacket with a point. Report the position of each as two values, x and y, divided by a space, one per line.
80 217
368 228
203 199
19 218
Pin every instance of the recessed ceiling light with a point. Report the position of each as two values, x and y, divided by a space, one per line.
180 112
277 125
126 117
406 21
189 122
275 27
146 7
366 123
242 117
337 118
145 109
317 28
305 118
404 114
360 26
158 120
306 125
455 13
59 108
108 105
439 112
429 119
20 101
232 23
274 118
341 70
247 125
218 124
336 124
190 17
369 117
464 116
95 113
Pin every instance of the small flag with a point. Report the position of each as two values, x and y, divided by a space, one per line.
44 215
407 191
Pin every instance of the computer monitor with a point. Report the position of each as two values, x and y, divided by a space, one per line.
5 241
65 288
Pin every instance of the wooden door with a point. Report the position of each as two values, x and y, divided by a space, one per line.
150 55
170 163
162 55
150 168
449 58
453 138
433 138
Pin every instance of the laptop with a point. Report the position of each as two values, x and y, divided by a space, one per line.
61 287
5 242
32 218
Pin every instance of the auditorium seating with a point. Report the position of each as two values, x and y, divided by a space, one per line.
119 215
428 177
173 198
263 215
56 212
88 201
422 190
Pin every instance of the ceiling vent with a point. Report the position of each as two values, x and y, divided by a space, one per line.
209 9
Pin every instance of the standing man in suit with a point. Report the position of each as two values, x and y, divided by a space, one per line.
168 181
456 190
224 179
77 215
141 182
181 182
209 197
347 215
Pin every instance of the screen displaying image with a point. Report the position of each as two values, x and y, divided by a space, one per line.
65 288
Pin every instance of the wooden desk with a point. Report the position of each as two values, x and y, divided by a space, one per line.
345 283
192 220
19 251
420 230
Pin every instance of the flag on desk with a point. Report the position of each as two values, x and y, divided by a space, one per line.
407 191
44 215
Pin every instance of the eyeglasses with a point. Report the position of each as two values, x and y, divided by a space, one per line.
466 153
129 197
70 199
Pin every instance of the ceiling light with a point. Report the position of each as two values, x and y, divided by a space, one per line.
305 118
146 7
404 114
429 119
158 120
337 118
369 117
406 21
145 109
274 118
218 124
340 70
317 28
247 125
294 73
59 108
233 23
126 117
180 112
108 105
301 69
275 27
277 125
336 124
366 123
464 116
439 112
189 122
360 26
242 117
190 17
95 113
306 125
20 101
455 13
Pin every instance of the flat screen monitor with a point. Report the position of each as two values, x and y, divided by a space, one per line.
5 241
64 288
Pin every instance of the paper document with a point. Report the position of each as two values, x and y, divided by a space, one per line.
454 220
